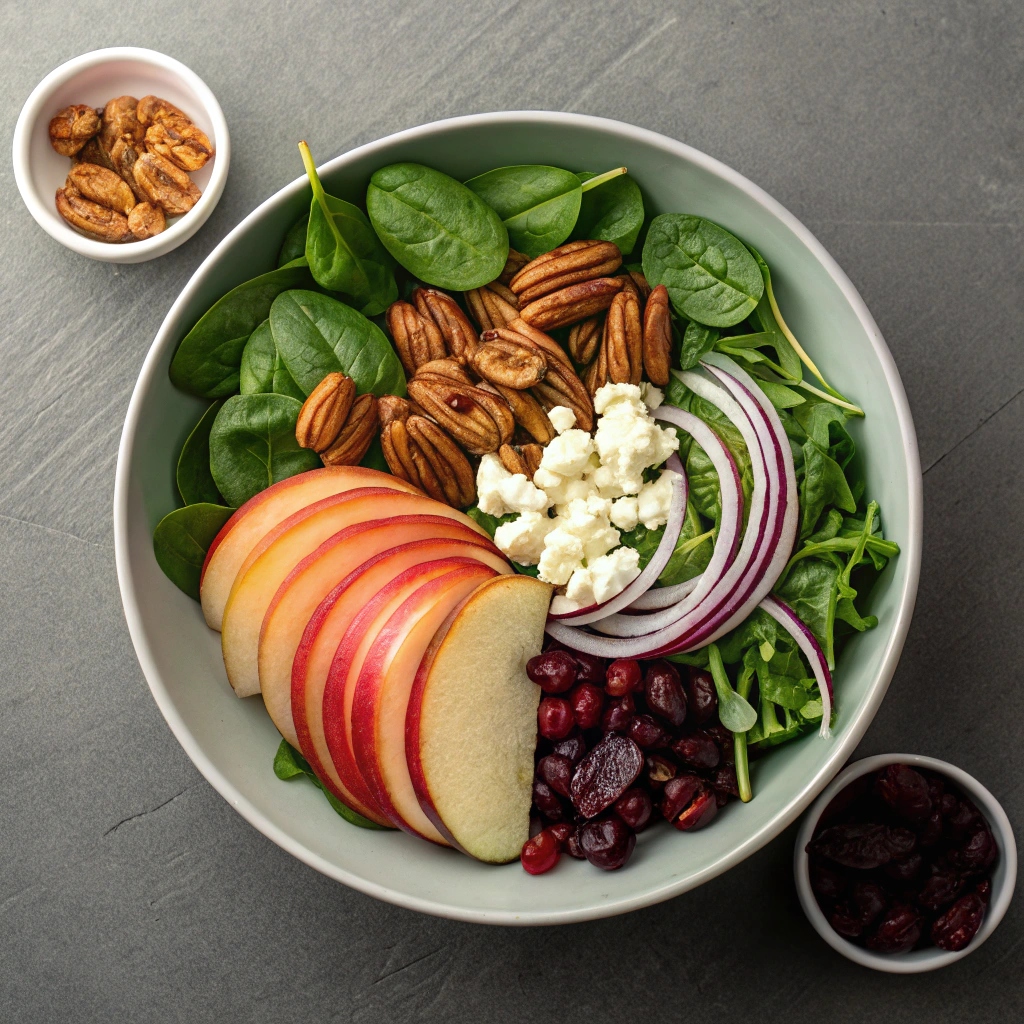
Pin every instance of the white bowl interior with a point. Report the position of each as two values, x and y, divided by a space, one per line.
1004 875
233 741
94 79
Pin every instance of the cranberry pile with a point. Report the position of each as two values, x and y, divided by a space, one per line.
901 860
619 744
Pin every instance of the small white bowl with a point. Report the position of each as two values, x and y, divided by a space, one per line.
95 78
1004 875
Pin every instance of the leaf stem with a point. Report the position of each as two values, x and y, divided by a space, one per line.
601 179
841 402
318 189
739 743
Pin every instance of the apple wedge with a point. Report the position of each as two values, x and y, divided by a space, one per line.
471 725
263 512
316 576
382 690
339 689
319 644
299 535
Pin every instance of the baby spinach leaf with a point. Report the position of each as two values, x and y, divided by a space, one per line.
709 273
208 358
811 590
252 445
824 423
181 540
262 370
294 245
195 482
697 341
824 484
289 764
613 212
317 335
439 230
344 252
780 396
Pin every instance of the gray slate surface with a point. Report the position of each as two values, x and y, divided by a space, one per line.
129 890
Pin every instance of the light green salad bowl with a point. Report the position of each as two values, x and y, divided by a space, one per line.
232 741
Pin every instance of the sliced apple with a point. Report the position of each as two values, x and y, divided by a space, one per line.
262 513
382 691
339 690
319 644
471 725
316 576
300 534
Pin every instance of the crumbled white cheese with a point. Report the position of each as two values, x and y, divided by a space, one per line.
562 418
600 580
587 518
568 454
563 553
500 492
654 500
625 514
653 397
522 540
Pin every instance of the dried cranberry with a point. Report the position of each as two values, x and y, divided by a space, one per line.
607 843
678 793
958 925
589 669
540 853
623 677
860 846
701 697
552 671
659 770
843 801
724 781
977 854
962 820
645 732
936 789
941 889
605 774
902 842
700 812
546 801
904 870
826 882
905 791
572 747
897 932
846 923
931 831
724 739
561 830
572 846
554 718
618 715
698 750
948 803
634 807
664 692
556 771
869 899
587 701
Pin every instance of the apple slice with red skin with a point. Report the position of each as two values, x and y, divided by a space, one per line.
382 691
471 724
290 542
319 644
339 691
318 574
262 513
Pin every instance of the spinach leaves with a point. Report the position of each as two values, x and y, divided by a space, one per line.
317 335
438 229
252 445
294 245
710 275
698 340
208 358
612 213
195 482
262 370
181 540
343 251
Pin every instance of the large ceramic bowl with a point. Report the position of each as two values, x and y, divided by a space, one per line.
232 741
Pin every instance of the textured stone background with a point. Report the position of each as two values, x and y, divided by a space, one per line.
129 890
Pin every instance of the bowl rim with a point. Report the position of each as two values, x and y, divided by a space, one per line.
910 556
146 249
914 962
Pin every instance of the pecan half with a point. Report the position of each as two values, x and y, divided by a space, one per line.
623 340
146 220
569 264
356 436
584 337
529 414
153 108
447 367
478 420
72 128
460 339
521 329
93 153
420 452
658 337
596 374
561 386
417 339
101 186
391 408
123 157
640 282
515 262
515 364
493 305
92 219
176 138
523 459
120 121
165 185
324 412
567 305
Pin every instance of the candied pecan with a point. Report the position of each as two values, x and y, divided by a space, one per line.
493 305
357 434
92 219
146 220
420 452
120 121
460 339
515 262
584 338
478 420
417 339
176 138
93 153
569 264
529 414
517 364
72 128
165 185
567 305
325 411
101 186
623 340
657 337
153 108
123 157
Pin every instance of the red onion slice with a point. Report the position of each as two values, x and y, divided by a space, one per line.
663 597
653 569
805 640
